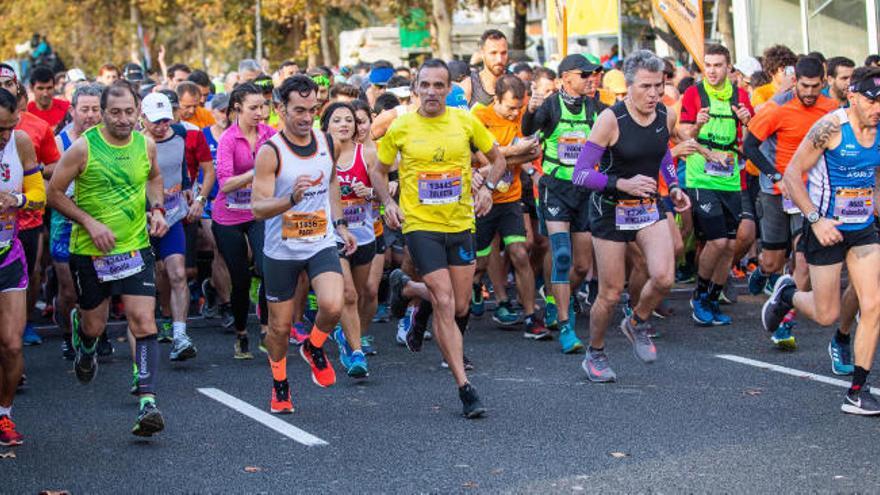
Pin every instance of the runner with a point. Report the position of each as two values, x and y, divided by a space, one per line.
840 154
189 95
45 105
107 74
714 113
778 62
840 70
234 227
22 188
109 244
783 124
565 123
170 139
296 190
437 212
633 135
494 55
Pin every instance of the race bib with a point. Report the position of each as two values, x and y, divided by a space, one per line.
239 200
853 205
569 146
355 211
7 228
635 214
439 188
117 266
789 207
716 169
304 226
175 208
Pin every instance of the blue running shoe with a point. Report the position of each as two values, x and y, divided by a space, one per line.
551 316
505 315
702 312
383 314
344 349
478 305
841 358
571 344
757 282
358 368
404 325
782 337
718 318
771 283
30 336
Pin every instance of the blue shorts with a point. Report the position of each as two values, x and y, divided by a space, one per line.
173 242
59 237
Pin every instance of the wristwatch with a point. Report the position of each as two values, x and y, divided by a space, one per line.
813 217
341 221
776 177
489 185
201 199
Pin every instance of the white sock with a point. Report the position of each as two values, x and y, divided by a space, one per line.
179 329
7 411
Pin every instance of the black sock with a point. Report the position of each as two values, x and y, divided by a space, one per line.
596 349
462 322
424 312
787 295
715 291
702 285
147 359
593 286
841 338
860 376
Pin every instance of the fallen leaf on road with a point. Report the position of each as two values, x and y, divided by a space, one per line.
619 455
496 471
54 492
252 469
754 391
470 484
7 455
577 488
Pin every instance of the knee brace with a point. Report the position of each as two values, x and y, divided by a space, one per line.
560 243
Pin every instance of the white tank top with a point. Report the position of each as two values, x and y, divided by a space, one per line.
11 176
306 228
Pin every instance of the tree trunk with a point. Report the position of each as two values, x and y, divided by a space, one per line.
443 24
520 11
134 19
311 50
325 41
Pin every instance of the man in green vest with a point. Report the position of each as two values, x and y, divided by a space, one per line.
564 120
714 113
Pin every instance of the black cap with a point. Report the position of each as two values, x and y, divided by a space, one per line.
579 62
172 97
133 72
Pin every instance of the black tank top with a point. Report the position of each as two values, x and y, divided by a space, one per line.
639 149
478 93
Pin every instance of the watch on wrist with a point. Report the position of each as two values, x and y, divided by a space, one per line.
341 221
776 177
489 185
20 200
201 199
813 217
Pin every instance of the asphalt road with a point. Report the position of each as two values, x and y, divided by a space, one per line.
692 422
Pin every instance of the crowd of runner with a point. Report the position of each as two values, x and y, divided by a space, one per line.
330 200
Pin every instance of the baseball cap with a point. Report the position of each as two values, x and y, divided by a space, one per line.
379 76
220 101
614 82
156 107
172 97
869 87
748 66
132 72
579 62
76 75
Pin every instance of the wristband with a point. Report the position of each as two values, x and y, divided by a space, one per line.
22 200
341 221
611 185
160 208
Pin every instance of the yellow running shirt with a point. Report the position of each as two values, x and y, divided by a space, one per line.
435 168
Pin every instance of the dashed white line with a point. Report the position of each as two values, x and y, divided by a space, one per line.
790 371
263 417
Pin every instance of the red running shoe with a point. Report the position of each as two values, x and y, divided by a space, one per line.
8 436
322 371
280 402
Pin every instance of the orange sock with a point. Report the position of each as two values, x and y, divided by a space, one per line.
279 369
317 337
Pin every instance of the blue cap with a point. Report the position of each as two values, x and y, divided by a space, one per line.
380 75
456 98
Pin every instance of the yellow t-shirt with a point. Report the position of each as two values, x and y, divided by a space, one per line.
435 168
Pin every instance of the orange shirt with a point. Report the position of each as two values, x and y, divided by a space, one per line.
505 131
202 118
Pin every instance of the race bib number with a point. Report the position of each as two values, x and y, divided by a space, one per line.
569 146
175 208
635 214
716 169
118 266
304 226
7 228
239 200
789 207
356 212
853 205
439 188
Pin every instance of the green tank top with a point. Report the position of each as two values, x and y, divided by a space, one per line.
719 134
562 148
112 190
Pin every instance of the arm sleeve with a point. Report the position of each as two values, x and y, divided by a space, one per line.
585 173
224 159
33 189
752 150
668 171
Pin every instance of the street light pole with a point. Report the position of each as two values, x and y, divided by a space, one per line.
258 30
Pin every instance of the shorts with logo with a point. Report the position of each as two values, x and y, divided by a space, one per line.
59 237
819 255
363 255
280 276
562 201
13 276
504 219
432 251
603 219
778 228
91 292
173 242
716 213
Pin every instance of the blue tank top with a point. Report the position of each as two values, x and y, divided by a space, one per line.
841 185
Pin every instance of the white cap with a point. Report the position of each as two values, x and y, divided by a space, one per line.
76 75
400 91
748 66
156 107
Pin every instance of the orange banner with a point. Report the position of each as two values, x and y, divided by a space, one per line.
685 17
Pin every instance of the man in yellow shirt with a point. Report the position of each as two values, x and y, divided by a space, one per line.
437 208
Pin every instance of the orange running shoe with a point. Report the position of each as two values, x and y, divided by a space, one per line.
322 371
8 435
280 402
737 273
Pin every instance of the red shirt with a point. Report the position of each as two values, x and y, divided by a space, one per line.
54 114
47 152
196 151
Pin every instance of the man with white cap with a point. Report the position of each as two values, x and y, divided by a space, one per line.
743 70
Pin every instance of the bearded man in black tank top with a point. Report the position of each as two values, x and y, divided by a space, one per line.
624 208
493 52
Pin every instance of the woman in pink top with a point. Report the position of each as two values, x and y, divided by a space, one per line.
234 227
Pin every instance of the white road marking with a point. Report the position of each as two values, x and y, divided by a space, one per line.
263 417
791 371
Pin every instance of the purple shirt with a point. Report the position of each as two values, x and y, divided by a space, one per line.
235 157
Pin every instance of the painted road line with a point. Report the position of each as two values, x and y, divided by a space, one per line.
791 371
263 417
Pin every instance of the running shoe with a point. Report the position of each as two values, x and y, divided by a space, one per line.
149 420
209 307
643 347
280 402
166 332
570 343
262 346
67 350
757 282
358 366
405 324
701 312
322 371
416 334
738 273
30 336
383 314
471 407
596 365
626 309
663 310
782 337
85 364
468 364
729 294
22 384
368 346
298 333
242 348
344 349
505 315
9 437
860 402
135 385
718 318
105 347
774 310
841 358
254 291
183 349
535 329
551 316
583 296
226 317
478 302
397 280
